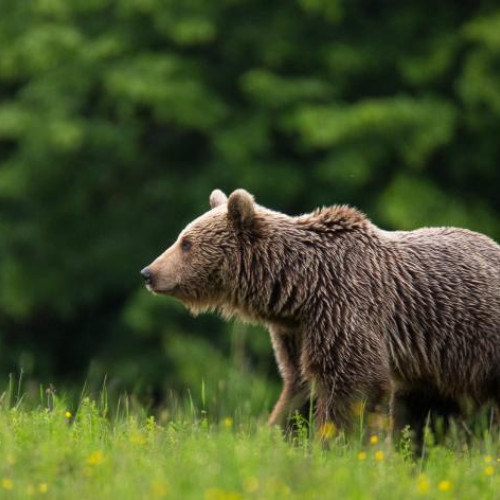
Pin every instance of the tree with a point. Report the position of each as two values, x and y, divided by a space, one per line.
118 117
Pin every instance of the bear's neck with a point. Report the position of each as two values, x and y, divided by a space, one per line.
273 278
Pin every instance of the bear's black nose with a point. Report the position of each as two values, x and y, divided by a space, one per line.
147 275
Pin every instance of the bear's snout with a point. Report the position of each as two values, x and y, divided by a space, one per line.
147 275
159 278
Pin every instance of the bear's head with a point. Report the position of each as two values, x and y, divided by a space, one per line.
199 267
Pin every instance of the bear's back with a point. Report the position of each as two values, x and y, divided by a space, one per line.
455 245
446 328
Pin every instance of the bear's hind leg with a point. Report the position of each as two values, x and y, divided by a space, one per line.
418 408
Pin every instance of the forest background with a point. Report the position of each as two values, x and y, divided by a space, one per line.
118 117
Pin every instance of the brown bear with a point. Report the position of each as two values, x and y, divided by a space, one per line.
353 310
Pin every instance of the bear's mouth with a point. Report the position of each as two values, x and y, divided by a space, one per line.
171 291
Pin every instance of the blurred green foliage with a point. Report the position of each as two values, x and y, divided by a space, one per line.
118 117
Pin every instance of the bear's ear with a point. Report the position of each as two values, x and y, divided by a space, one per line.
217 198
240 208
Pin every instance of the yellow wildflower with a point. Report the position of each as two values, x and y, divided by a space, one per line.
217 494
228 422
328 430
423 484
488 459
95 458
361 455
379 456
43 487
137 438
7 484
374 439
444 485
489 470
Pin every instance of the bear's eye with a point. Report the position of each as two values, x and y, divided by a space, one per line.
186 245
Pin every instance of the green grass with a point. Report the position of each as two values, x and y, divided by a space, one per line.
49 451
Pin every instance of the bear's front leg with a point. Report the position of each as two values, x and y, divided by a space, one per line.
338 396
295 394
334 403
343 373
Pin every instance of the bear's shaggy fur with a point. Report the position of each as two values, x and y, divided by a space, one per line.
358 310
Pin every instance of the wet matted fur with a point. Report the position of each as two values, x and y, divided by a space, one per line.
360 311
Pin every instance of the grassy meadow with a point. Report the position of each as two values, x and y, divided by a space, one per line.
98 450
